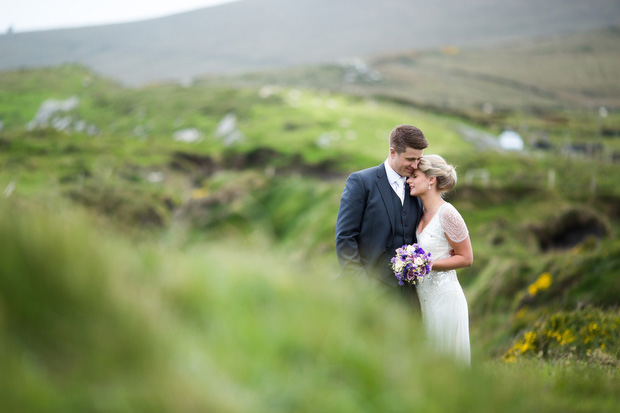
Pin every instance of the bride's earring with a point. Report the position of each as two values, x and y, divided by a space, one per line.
429 185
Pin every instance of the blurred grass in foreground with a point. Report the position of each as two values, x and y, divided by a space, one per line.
92 322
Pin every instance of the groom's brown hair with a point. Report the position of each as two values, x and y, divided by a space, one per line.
407 136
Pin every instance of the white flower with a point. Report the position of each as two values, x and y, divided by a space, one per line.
418 261
399 266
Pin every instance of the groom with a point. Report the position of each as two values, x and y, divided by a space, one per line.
377 215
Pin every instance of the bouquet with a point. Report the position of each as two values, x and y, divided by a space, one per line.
411 264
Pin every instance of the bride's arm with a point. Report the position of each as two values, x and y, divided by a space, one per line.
463 256
456 233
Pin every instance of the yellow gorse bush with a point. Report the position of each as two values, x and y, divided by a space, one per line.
527 343
562 338
542 283
578 333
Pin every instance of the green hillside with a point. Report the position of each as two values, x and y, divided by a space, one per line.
550 88
171 248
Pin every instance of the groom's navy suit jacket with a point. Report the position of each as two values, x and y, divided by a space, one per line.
372 223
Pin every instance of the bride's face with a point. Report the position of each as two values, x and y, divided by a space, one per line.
418 183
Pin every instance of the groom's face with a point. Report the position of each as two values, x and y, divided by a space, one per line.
405 163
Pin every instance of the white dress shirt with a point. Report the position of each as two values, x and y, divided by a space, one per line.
396 181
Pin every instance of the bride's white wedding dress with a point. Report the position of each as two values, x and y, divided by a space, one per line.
443 303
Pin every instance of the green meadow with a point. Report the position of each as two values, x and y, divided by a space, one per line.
171 248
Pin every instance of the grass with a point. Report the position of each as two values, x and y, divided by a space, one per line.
90 322
219 274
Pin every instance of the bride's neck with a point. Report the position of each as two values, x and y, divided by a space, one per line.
430 201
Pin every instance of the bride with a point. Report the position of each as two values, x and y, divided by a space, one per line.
441 229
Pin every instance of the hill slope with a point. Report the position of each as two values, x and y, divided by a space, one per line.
537 241
254 34
576 70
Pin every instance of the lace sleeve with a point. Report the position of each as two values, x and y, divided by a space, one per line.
453 224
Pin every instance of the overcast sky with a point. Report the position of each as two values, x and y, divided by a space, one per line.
29 15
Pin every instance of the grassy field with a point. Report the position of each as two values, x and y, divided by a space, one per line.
141 271
91 321
551 88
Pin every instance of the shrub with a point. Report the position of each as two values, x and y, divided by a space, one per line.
589 334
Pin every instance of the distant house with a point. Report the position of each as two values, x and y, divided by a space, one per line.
510 141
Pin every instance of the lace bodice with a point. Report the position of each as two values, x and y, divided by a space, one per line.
446 222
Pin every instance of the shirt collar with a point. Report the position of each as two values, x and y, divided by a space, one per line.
392 175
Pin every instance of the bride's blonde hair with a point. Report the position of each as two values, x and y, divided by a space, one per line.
435 165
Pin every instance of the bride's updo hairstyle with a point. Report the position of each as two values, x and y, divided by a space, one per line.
435 165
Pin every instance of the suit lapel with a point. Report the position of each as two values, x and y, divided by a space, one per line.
385 190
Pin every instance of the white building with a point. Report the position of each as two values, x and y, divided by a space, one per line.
510 141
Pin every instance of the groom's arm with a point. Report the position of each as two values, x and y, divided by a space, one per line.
348 226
